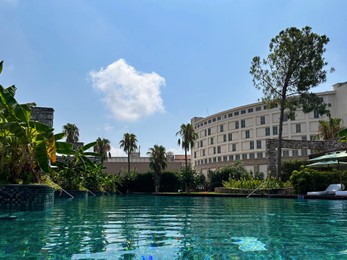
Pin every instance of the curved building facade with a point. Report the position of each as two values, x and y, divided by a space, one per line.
240 133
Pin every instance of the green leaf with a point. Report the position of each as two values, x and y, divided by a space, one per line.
1 64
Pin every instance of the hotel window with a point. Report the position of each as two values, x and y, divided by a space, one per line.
243 123
219 159
234 147
231 157
244 156
258 109
214 150
251 156
247 134
218 118
230 114
258 144
194 154
315 114
267 131
214 119
211 140
237 157
218 149
225 158
285 153
251 145
214 159
201 143
243 112
298 128
210 160
221 128
203 152
224 138
236 113
304 138
259 155
295 153
275 130
230 137
262 120
304 152
285 118
209 121
205 161
250 110
209 131
265 107
237 125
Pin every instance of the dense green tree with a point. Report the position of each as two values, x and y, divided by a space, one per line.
102 146
328 129
158 163
294 65
129 145
187 139
71 132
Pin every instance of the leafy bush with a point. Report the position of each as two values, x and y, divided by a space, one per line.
251 184
169 182
237 171
289 166
308 179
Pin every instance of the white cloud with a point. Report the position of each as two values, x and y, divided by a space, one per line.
129 94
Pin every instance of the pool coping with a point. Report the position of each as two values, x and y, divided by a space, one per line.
274 196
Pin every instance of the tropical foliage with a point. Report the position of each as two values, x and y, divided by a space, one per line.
129 145
71 132
308 179
102 147
328 130
187 139
294 65
251 184
158 163
26 147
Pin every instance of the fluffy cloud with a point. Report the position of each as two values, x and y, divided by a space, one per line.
129 94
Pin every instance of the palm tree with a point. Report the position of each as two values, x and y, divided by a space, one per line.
72 133
158 162
102 146
328 130
129 145
187 139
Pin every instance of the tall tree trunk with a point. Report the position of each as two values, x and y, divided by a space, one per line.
280 132
128 179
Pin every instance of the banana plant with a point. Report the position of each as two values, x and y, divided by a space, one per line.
26 147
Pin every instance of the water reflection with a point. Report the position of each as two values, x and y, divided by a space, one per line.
149 227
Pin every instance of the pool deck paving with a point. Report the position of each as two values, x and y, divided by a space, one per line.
274 196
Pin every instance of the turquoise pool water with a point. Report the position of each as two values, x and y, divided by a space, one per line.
149 227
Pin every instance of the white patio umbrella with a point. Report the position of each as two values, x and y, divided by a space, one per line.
331 156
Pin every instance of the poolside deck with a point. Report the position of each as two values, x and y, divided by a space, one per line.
274 196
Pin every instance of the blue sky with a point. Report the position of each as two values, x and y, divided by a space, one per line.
147 66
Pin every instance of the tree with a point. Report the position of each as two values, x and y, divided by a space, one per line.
71 132
187 139
328 130
294 65
102 146
158 162
129 145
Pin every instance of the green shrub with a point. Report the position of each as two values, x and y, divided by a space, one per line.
169 182
251 184
289 166
308 179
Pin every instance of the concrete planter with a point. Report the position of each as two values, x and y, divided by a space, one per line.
26 197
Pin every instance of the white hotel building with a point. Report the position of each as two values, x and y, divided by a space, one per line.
240 133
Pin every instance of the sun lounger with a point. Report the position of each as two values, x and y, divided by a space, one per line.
331 190
341 193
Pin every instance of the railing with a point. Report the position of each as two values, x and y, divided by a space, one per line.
261 184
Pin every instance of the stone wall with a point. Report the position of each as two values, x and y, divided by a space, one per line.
26 197
44 115
272 145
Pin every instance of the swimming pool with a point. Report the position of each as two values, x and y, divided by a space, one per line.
152 227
